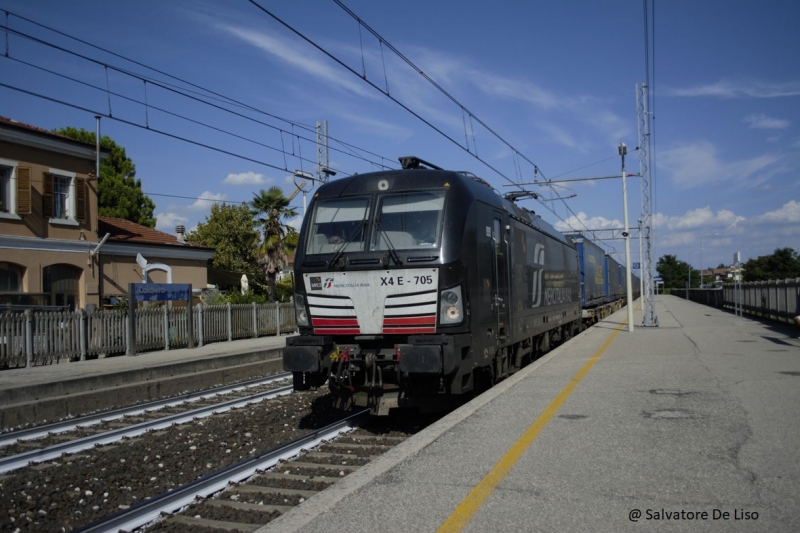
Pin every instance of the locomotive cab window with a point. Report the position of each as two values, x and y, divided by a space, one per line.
338 224
408 220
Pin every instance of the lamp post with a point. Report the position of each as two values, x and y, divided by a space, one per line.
701 256
689 280
623 150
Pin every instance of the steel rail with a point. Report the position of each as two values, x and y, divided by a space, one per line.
21 460
150 510
63 426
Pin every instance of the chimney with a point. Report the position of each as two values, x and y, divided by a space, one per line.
181 232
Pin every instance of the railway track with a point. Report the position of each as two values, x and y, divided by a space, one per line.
13 462
151 408
70 491
181 497
114 461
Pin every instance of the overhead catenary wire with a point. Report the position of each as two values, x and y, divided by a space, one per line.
226 99
471 115
351 70
131 123
428 78
223 201
464 111
166 86
162 110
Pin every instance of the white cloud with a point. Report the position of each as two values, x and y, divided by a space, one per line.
166 222
558 134
205 201
729 89
449 70
763 122
379 127
296 57
677 239
245 178
697 218
697 164
456 74
582 221
494 85
788 213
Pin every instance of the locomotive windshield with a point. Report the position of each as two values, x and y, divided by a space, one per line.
338 224
404 221
408 220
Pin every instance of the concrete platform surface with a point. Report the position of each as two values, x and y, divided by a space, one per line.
690 426
50 392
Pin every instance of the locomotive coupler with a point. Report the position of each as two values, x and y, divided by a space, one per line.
371 367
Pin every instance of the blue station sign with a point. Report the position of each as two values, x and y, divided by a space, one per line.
160 292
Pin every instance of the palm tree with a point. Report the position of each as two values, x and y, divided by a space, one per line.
271 208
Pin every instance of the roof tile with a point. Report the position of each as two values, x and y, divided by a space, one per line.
122 230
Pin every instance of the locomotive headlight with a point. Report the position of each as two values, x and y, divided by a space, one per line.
450 297
300 312
451 307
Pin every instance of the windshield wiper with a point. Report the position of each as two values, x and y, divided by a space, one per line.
389 244
361 226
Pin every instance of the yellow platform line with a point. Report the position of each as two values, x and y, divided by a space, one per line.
457 521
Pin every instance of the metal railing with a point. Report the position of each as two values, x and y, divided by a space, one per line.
775 299
40 338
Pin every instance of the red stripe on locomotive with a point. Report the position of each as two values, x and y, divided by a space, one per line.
409 321
334 321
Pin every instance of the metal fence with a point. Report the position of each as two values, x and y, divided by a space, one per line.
776 300
40 338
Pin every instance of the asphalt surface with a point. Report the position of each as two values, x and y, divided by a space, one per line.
668 430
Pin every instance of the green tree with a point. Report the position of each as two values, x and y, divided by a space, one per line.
782 264
675 273
284 289
271 210
231 231
119 193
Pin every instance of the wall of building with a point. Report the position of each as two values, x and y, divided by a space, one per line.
35 261
35 224
34 242
120 270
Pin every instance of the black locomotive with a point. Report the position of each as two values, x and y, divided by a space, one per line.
414 287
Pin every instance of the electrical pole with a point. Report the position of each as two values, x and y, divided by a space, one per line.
623 150
648 297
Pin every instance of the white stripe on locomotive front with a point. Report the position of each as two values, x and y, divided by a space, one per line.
412 310
322 312
413 299
330 302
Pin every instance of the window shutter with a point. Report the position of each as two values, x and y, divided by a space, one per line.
47 198
80 199
23 191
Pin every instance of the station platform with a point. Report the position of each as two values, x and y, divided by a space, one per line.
47 393
693 425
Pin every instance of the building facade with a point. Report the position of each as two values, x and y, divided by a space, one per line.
138 254
48 219
55 251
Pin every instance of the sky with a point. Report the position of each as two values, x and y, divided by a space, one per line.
214 101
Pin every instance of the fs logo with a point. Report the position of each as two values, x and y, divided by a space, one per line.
317 285
536 276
